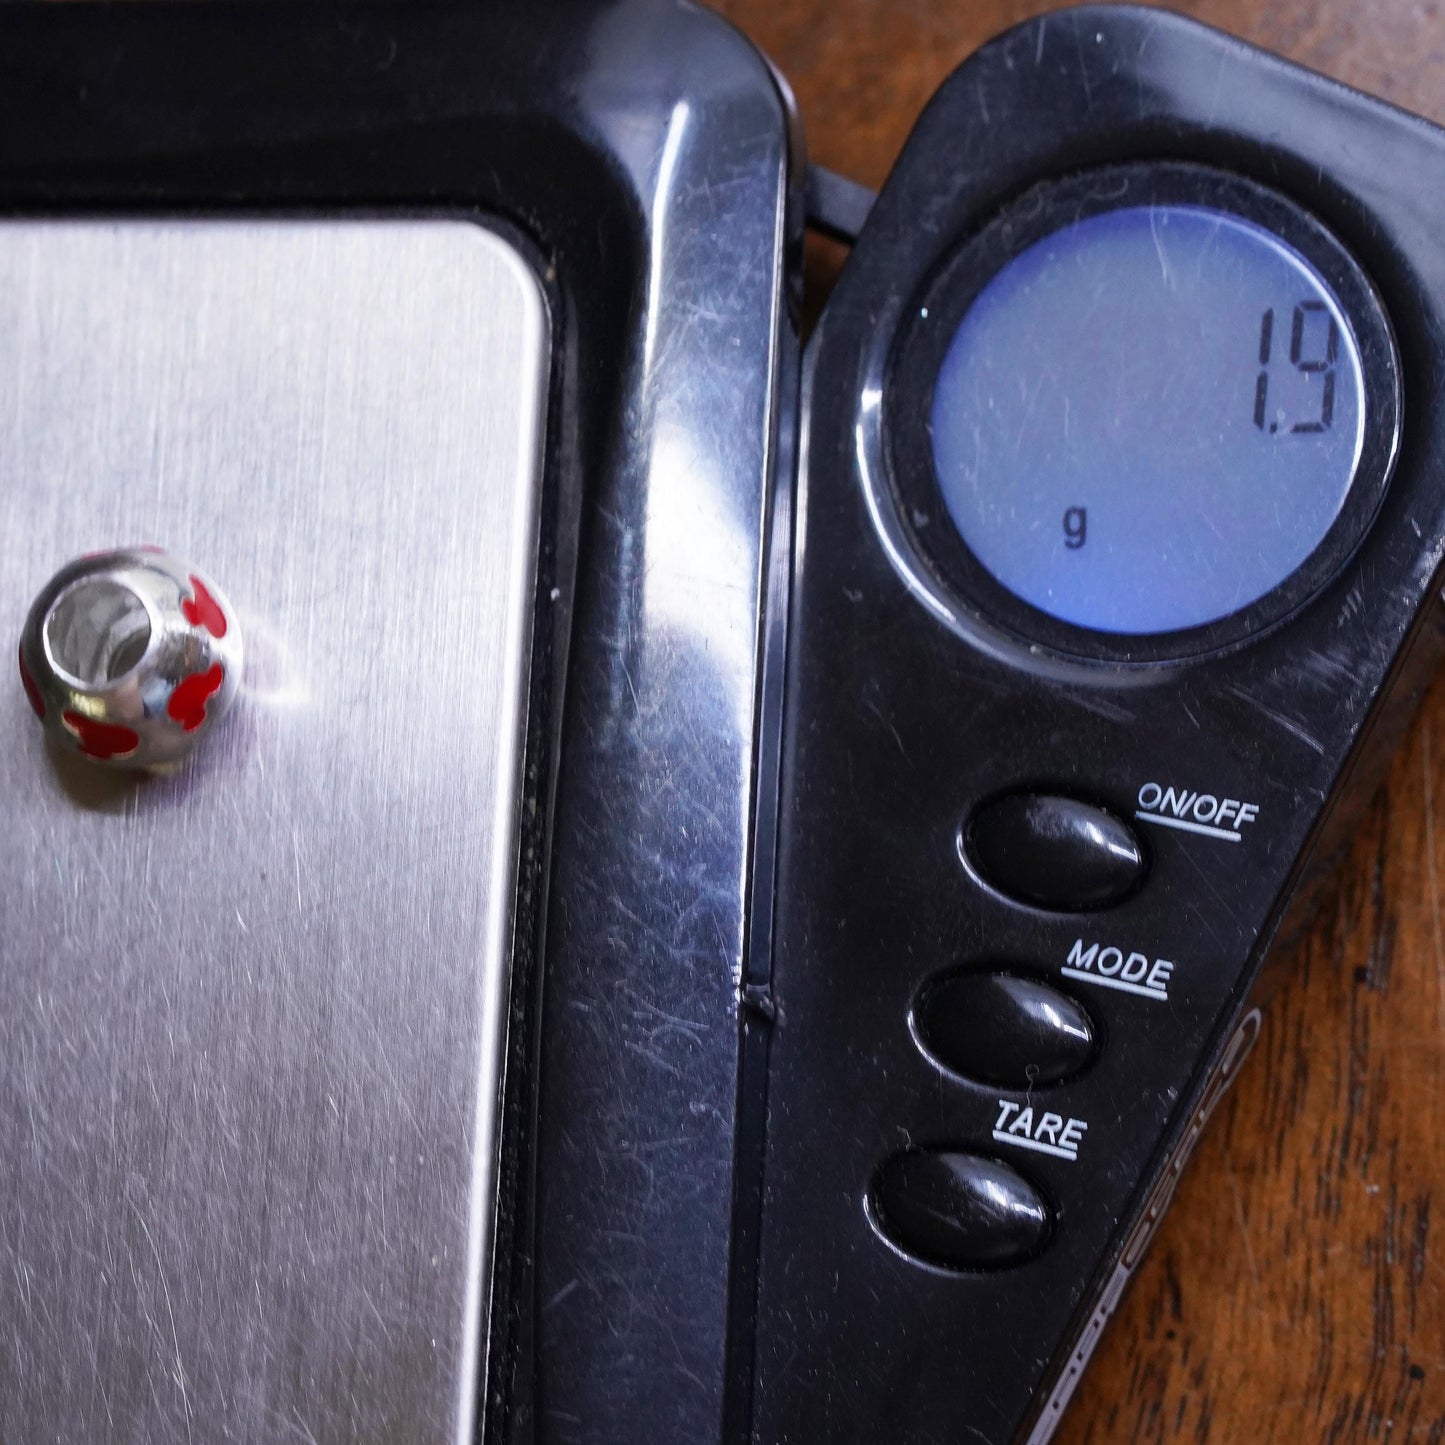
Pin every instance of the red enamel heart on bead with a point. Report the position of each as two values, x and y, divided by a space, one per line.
102 741
188 702
203 610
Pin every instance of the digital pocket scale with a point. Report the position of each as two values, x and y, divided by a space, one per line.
619 879
1118 566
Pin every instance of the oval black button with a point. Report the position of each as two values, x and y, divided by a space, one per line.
959 1210
1054 851
1004 1030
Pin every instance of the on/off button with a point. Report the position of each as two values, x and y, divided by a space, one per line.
1054 851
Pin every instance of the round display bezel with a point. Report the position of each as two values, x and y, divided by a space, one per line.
932 321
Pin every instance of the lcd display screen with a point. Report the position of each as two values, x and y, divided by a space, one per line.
1149 419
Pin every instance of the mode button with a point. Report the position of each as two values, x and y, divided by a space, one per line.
1054 851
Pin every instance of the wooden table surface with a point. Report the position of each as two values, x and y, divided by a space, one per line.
1296 1293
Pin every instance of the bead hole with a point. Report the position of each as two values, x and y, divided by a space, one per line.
98 631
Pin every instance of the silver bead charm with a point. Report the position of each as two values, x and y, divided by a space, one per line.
130 658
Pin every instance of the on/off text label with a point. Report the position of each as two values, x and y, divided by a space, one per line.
1194 811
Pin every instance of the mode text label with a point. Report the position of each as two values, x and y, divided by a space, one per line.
1110 967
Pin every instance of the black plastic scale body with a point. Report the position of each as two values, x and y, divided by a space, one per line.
987 1068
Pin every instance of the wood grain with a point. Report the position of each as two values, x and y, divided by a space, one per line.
1297 1291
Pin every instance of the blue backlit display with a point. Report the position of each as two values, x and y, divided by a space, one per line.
1149 419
